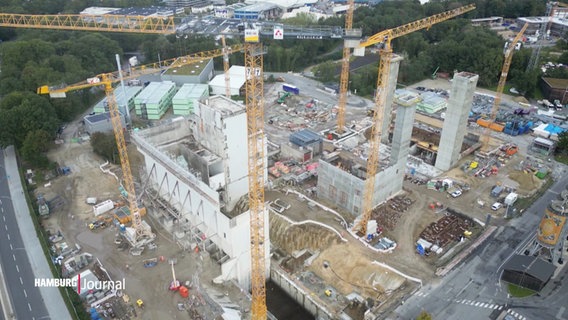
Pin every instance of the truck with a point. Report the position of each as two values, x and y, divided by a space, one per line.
496 191
511 198
290 88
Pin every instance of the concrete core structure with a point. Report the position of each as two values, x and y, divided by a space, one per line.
197 171
391 87
455 123
342 175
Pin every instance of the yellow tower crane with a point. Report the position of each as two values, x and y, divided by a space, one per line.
500 87
384 38
142 234
255 131
344 78
112 23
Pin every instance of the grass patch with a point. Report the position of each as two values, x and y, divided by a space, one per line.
562 158
519 292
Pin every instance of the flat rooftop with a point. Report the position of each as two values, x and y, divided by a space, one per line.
193 69
225 106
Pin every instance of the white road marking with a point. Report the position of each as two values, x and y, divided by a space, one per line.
14 256
6 227
11 248
500 307
477 304
29 306
497 306
8 235
560 312
2 209
491 306
21 281
25 293
17 268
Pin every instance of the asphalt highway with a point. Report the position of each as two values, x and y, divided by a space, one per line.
19 277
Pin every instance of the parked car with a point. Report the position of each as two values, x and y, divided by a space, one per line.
456 193
496 206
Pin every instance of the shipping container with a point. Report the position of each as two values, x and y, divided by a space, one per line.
290 88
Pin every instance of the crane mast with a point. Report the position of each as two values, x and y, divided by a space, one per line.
226 68
344 78
384 38
500 87
255 133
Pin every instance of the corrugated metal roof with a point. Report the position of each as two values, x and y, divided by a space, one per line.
304 137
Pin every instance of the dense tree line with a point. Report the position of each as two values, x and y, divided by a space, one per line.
31 58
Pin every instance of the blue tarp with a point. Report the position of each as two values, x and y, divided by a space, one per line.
553 129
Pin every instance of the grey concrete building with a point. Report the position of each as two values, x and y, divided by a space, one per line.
342 174
455 123
100 123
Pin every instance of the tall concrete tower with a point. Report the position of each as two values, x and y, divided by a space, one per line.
459 105
391 87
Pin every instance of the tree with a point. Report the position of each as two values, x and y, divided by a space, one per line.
424 316
22 113
562 146
35 146
104 145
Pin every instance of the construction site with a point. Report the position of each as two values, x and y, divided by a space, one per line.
346 204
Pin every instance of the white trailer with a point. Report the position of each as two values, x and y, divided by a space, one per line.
103 207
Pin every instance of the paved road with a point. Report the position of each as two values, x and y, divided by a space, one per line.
472 291
23 261
15 264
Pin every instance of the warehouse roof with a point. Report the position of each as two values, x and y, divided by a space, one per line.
304 137
556 83
532 266
237 78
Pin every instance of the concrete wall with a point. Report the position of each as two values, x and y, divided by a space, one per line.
455 123
200 206
349 188
300 294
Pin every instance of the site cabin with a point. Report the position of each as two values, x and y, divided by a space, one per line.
511 198
290 88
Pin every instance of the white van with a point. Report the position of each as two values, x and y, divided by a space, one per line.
496 206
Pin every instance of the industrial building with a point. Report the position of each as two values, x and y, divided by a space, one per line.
304 145
527 272
258 11
197 173
101 123
558 26
188 96
555 89
237 81
123 96
155 100
199 72
152 11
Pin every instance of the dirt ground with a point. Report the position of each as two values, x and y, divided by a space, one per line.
72 219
